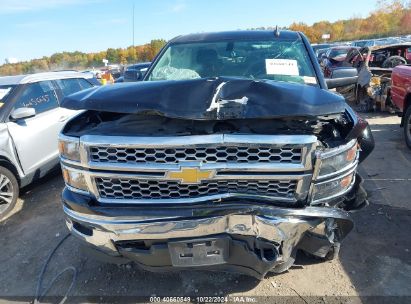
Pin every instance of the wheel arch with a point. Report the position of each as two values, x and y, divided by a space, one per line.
407 104
6 163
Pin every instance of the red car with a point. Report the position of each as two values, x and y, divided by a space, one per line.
401 96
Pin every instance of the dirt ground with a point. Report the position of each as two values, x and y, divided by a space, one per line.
374 264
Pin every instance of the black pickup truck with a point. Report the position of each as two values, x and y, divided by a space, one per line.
230 155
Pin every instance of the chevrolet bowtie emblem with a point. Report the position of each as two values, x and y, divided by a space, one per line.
190 175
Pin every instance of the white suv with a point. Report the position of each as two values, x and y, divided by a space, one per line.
30 121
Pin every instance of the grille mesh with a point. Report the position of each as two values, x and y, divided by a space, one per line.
219 154
114 188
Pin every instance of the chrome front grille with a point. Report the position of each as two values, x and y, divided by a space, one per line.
216 154
123 188
189 169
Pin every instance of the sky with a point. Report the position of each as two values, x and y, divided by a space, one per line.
35 28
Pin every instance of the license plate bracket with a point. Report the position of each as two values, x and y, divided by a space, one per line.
199 252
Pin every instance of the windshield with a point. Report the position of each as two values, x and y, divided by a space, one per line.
282 60
338 53
5 91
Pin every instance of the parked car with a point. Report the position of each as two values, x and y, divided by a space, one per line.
231 154
335 58
401 97
136 71
30 121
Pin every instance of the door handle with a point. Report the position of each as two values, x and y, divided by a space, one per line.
63 118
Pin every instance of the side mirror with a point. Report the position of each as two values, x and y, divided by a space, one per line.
132 75
333 83
344 72
342 77
22 113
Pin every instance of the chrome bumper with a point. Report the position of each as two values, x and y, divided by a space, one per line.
283 226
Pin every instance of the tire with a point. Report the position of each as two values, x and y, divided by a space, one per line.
393 61
407 127
9 192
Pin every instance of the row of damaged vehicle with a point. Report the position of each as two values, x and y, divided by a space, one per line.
321 48
373 65
383 78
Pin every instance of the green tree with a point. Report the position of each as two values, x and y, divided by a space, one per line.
112 55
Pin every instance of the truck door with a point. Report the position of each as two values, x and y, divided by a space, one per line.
35 138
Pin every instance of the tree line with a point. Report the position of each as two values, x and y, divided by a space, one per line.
79 60
391 18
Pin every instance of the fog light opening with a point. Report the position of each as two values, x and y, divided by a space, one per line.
82 229
269 254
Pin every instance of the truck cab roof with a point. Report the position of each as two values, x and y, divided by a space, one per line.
237 35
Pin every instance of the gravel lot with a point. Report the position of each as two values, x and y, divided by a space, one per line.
374 264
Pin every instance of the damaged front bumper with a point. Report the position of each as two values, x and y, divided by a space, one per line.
250 237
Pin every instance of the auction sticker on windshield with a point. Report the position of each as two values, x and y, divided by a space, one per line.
281 67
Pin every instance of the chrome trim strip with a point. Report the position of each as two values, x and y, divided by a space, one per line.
195 140
193 200
265 167
310 211
158 174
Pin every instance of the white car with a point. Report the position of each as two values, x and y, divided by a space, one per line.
30 121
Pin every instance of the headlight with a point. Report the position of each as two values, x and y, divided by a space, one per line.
333 188
334 160
69 147
74 178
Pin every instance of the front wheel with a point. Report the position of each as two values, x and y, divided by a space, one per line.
9 192
407 127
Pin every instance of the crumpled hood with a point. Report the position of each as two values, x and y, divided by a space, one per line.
217 98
